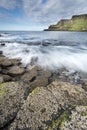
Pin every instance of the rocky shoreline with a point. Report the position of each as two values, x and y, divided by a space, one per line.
32 98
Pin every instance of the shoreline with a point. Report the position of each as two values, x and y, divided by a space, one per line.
31 91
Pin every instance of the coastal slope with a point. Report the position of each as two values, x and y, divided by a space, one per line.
76 23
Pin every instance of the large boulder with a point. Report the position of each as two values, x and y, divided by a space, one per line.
16 70
46 107
36 76
5 62
16 61
29 76
6 78
11 99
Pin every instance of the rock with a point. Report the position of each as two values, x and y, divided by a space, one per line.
29 76
78 119
6 78
37 76
34 60
1 79
11 99
44 43
2 58
5 62
16 71
39 81
4 71
85 85
16 61
2 44
1 52
45 107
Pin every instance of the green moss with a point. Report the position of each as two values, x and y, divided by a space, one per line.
85 107
58 122
83 113
3 90
34 91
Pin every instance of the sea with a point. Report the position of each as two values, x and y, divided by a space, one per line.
52 49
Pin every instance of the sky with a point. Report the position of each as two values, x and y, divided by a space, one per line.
37 14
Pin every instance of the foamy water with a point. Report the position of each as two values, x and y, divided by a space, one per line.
53 50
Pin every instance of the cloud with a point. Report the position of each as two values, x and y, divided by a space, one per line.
40 12
50 11
8 4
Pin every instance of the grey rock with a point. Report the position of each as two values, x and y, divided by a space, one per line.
78 119
11 99
1 79
45 104
16 71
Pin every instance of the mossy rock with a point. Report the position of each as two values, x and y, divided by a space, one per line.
3 90
59 121
46 107
11 98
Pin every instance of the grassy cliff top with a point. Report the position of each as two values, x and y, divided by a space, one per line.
76 23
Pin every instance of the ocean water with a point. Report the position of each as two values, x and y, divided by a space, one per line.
53 50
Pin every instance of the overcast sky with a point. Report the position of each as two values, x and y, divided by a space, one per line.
37 14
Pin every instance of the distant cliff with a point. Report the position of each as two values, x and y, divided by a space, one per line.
76 23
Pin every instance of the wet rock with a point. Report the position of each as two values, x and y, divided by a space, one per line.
1 52
34 60
72 77
46 43
84 85
37 76
2 44
5 62
2 58
16 70
4 71
29 76
44 106
39 81
11 98
16 61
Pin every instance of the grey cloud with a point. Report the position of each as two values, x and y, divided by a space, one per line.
53 10
8 4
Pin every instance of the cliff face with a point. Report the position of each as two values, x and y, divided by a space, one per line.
76 23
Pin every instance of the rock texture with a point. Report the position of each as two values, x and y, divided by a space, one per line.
76 23
11 98
78 119
32 98
45 104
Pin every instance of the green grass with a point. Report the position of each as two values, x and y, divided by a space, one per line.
72 25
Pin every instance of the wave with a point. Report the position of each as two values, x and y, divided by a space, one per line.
51 57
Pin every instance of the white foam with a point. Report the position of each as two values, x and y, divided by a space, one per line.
49 57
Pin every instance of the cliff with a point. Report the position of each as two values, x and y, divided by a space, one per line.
76 23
